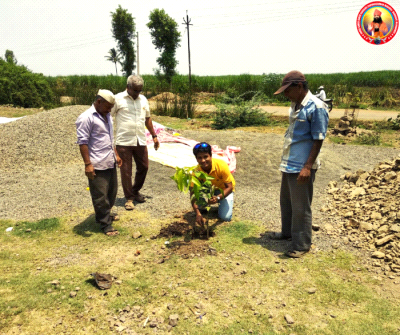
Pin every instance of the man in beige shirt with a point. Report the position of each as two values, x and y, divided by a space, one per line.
132 115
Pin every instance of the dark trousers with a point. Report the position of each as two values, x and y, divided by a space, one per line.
103 189
296 216
141 157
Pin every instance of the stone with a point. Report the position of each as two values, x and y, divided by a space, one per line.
136 234
384 240
395 228
333 190
173 320
311 290
376 216
357 192
378 254
365 226
289 319
72 294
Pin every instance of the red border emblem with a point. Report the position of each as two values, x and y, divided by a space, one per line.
387 29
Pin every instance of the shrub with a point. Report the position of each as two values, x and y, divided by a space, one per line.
21 87
394 123
242 115
374 138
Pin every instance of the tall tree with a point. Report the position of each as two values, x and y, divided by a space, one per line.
10 57
115 57
123 29
166 38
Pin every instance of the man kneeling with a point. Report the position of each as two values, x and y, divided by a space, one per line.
223 179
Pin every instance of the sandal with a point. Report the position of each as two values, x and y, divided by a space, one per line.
113 232
295 253
279 237
129 205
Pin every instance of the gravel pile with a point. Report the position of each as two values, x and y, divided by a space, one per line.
42 174
366 213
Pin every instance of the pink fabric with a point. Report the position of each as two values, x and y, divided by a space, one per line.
228 155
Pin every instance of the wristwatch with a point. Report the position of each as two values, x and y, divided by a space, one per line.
153 136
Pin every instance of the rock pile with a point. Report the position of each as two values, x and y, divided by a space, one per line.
367 209
345 127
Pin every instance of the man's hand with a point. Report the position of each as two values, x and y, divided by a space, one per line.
304 175
156 143
213 200
89 171
200 220
119 161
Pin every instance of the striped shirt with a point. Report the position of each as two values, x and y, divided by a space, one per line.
306 124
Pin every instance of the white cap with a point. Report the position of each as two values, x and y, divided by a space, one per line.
107 95
321 87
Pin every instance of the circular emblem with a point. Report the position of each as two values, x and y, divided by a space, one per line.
377 23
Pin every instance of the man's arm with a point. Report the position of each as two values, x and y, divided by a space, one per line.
305 172
228 190
149 125
89 169
199 217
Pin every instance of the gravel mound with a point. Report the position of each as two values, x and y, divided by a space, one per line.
45 138
42 174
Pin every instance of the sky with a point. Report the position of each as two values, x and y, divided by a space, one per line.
227 37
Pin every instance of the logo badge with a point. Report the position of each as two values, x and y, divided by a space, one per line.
377 23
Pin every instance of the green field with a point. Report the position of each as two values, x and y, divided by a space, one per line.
20 87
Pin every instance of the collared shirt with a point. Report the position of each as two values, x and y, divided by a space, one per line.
130 117
221 173
321 95
94 131
307 124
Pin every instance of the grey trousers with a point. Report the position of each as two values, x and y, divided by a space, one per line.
103 189
296 216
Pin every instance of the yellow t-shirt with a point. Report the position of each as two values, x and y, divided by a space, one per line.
221 173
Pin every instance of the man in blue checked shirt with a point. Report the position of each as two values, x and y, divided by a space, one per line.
308 123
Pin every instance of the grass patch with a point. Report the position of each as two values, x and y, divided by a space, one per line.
246 286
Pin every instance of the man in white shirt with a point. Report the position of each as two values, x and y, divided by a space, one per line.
321 95
132 115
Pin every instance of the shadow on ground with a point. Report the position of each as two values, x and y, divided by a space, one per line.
87 227
264 241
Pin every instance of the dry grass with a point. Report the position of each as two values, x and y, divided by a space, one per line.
247 286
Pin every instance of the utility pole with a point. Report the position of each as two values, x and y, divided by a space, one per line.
137 43
187 22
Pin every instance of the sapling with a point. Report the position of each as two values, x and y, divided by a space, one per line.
200 186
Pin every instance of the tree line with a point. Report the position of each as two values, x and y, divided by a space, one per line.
165 37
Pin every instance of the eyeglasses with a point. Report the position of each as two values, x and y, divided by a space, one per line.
201 145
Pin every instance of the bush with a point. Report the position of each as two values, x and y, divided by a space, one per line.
394 123
369 139
242 115
21 87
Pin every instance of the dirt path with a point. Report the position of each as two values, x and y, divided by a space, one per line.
334 114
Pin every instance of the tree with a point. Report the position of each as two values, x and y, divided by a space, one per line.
123 29
10 57
114 57
166 38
